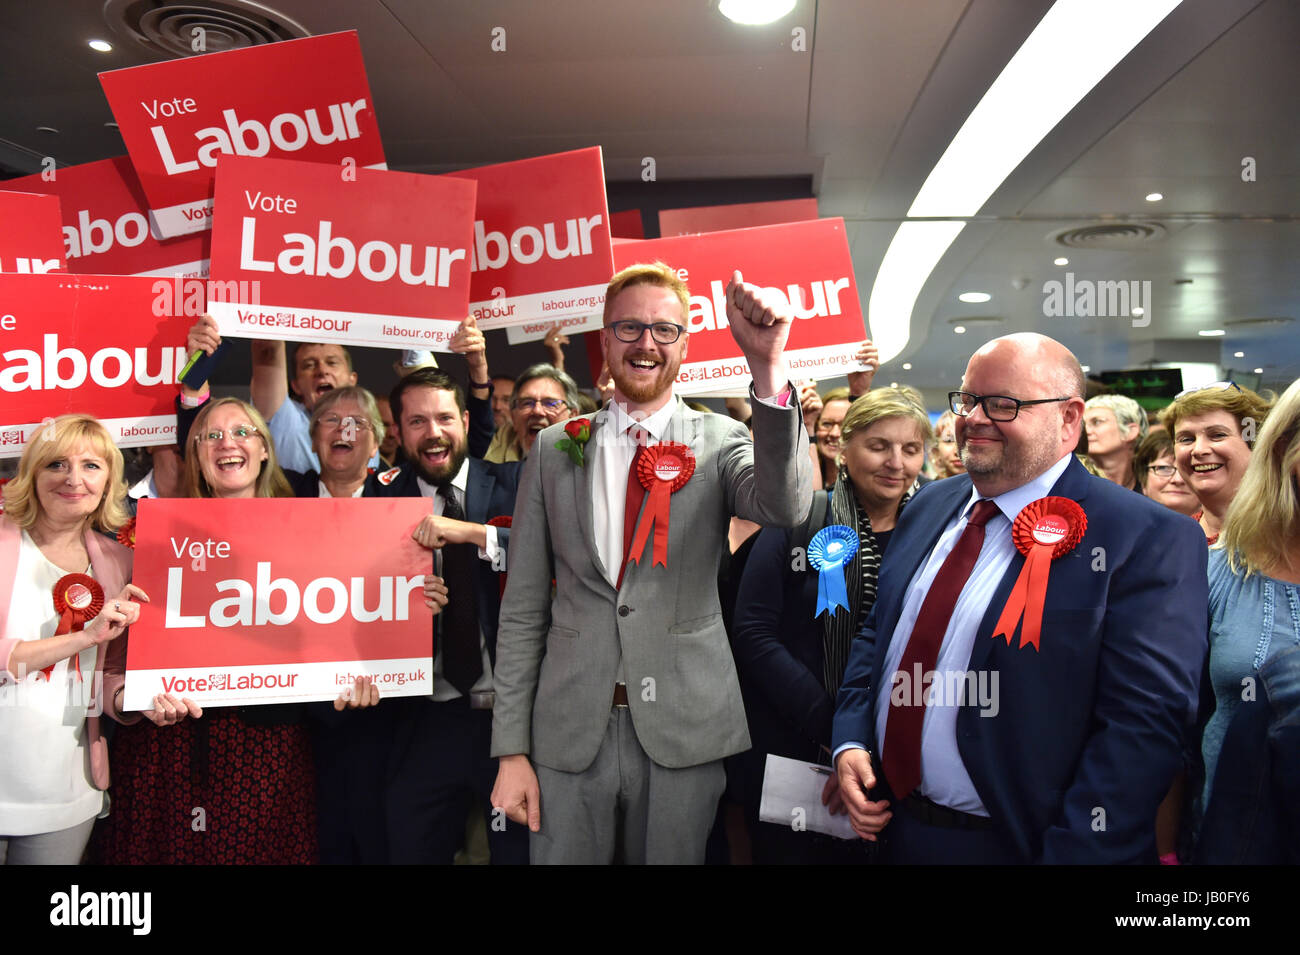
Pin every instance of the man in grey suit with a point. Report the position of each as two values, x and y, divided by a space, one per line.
616 698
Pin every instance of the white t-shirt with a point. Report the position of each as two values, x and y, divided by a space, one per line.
45 782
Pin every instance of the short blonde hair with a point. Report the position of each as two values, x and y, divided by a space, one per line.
1263 521
657 274
361 396
884 403
271 481
841 393
52 442
1241 403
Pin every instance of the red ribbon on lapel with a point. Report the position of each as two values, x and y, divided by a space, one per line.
1043 531
78 599
663 470
126 536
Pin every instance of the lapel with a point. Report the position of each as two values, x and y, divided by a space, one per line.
908 551
478 491
584 480
1073 483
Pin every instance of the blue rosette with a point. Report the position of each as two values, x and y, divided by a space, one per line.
830 549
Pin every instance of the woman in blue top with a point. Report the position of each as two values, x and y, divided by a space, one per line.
1251 745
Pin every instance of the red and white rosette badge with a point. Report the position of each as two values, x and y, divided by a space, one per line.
78 599
663 471
1045 530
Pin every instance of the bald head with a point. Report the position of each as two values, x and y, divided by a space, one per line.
1002 455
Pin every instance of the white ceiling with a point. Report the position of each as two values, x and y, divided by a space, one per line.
865 110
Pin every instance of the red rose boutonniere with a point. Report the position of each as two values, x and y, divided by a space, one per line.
577 434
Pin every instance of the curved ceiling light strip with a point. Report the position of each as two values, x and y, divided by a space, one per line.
1032 94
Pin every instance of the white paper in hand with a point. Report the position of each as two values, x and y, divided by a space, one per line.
792 796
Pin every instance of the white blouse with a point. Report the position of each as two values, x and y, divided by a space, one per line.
45 782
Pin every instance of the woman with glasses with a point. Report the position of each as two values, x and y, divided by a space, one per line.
1158 477
1213 429
1251 744
790 656
237 785
945 459
827 433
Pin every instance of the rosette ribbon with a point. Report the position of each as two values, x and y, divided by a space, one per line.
830 549
126 536
78 599
663 470
1045 530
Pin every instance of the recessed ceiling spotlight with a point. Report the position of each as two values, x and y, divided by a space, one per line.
1239 354
754 13
1060 260
110 125
101 46
974 298
959 329
49 130
1085 368
1211 332
1259 371
1138 310
907 366
1155 196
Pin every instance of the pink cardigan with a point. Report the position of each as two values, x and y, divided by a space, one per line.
111 563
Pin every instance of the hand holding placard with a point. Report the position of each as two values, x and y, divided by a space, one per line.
760 324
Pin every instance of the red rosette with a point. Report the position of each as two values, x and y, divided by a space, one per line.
1043 531
663 470
77 599
501 520
126 536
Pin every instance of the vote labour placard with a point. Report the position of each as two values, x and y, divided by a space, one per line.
30 233
806 263
105 345
380 259
106 223
541 239
741 215
300 99
275 600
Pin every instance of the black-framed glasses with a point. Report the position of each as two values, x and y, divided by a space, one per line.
665 333
996 407
1219 385
240 433
1165 471
333 421
548 405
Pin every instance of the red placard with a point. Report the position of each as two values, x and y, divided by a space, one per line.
541 239
380 259
31 233
105 345
626 224
269 600
807 260
298 99
106 223
744 215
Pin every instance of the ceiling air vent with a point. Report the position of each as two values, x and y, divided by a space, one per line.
1106 236
172 29
1240 323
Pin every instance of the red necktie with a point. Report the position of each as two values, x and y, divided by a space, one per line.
634 497
901 760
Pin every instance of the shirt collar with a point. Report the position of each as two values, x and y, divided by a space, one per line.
145 487
657 423
1012 502
458 482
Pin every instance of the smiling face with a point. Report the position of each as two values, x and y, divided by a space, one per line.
1171 491
883 460
317 369
389 447
432 432
230 464
1211 455
70 488
828 428
1104 433
344 441
644 370
502 390
532 416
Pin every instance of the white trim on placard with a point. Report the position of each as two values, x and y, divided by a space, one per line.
219 685
136 431
327 326
198 269
824 361
507 310
536 331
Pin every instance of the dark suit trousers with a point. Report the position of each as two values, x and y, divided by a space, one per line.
439 765
908 841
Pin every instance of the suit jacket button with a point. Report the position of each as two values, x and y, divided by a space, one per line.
624 610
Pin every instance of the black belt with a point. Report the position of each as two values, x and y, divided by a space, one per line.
932 814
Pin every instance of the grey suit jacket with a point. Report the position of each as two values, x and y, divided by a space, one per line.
557 657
